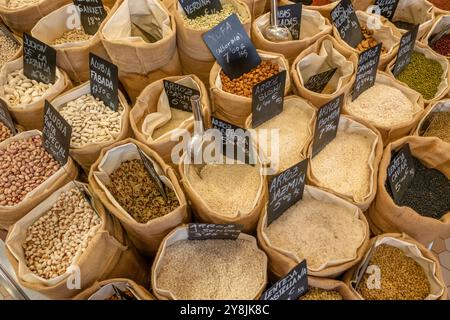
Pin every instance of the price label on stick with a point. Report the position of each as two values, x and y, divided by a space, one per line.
197 8
232 47
5 117
92 14
39 60
153 174
56 134
290 287
268 98
401 172
346 22
206 231
179 96
366 73
405 50
286 189
387 7
290 16
104 81
327 124
319 81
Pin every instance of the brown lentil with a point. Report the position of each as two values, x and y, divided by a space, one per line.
8 48
138 195
74 35
369 41
5 133
439 126
321 294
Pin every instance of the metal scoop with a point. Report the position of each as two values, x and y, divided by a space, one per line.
195 147
275 32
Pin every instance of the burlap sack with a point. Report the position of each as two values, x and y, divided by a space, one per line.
282 261
72 57
195 56
181 234
152 111
31 116
86 155
440 106
439 24
236 109
139 62
387 216
148 236
350 125
324 55
313 26
11 214
392 133
109 254
324 10
103 290
332 284
417 12
256 7
444 86
413 249
19 50
24 18
438 11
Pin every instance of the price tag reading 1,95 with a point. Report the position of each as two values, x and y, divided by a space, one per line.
232 47
39 60
104 81
92 14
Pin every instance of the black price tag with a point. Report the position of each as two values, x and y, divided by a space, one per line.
104 81
306 2
319 81
39 60
401 172
367 70
5 117
268 98
92 14
206 231
197 8
56 134
290 16
179 96
327 124
290 287
286 189
153 174
346 22
232 47
405 50
387 7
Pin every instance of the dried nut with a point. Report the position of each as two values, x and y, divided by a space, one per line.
368 41
73 35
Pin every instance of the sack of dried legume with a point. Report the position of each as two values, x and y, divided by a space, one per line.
313 26
140 38
435 121
330 248
397 268
22 156
103 290
64 243
237 268
63 31
392 108
328 289
10 46
236 107
324 55
123 185
195 56
94 125
25 97
441 46
424 211
348 165
159 126
440 6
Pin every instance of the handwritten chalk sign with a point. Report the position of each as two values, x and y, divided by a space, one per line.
150 168
346 22
401 172
286 189
366 73
5 117
327 124
290 16
290 287
56 134
206 231
179 96
92 14
232 47
39 60
104 81
318 82
197 8
405 50
387 7
268 98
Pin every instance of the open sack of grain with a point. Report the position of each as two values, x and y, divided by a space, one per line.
412 12
140 38
159 126
120 180
324 55
328 289
30 175
436 121
396 267
237 268
65 243
10 46
104 290
441 45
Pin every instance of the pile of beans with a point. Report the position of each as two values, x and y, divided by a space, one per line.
439 126
73 35
369 41
442 46
8 48
5 133
21 90
209 21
